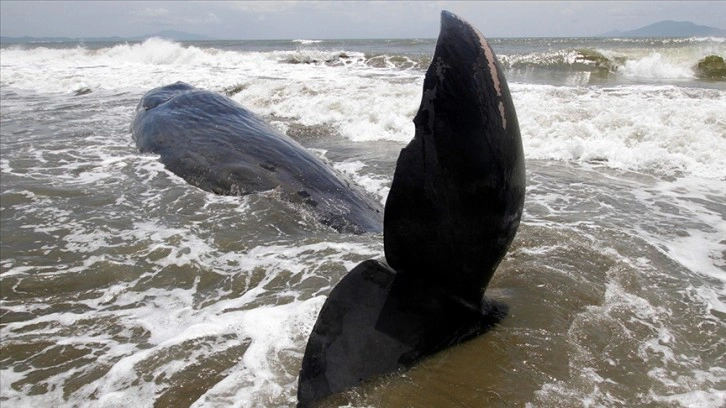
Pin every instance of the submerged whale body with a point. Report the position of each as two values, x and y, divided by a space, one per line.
453 209
217 145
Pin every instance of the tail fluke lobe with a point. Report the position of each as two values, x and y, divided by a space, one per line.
376 321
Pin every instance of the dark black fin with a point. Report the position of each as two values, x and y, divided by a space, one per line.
453 209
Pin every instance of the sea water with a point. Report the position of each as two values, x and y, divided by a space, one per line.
122 285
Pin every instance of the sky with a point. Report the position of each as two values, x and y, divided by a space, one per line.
342 19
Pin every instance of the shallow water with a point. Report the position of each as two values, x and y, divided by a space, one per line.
120 284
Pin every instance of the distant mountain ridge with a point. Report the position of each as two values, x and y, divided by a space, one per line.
669 28
165 34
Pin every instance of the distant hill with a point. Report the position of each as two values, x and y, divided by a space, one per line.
166 34
669 28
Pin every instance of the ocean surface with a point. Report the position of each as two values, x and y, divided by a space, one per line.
122 285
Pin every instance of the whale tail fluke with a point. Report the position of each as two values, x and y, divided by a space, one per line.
377 321
452 211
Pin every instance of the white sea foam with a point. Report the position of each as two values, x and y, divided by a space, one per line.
306 42
664 129
276 331
656 66
628 320
696 240
266 370
360 107
376 185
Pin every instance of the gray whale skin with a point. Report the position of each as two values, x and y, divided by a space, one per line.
219 146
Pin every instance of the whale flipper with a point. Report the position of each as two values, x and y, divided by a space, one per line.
452 211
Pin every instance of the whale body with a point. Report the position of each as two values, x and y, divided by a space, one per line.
452 211
219 146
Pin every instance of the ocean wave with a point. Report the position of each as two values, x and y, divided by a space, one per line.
351 58
606 63
367 97
708 39
307 42
657 66
320 57
398 61
586 60
157 62
660 129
